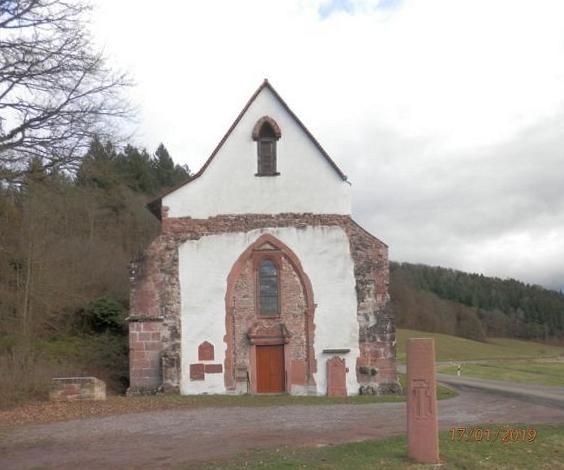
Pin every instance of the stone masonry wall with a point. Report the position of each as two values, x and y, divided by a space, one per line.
155 293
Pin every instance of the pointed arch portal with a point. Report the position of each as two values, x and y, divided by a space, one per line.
287 335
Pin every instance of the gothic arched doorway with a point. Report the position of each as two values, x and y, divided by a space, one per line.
269 321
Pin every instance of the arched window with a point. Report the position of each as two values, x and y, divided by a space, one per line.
266 133
268 288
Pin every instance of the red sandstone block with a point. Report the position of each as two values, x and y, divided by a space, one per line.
298 374
362 362
389 375
145 336
385 362
136 355
213 368
145 383
150 371
71 389
206 352
136 345
374 355
137 349
388 378
72 397
142 364
150 326
156 336
152 346
197 372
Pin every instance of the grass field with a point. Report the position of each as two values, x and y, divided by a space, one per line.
545 452
547 372
459 349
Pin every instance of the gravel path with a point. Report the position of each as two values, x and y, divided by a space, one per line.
169 438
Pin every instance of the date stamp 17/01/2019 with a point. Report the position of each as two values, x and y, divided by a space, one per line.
504 434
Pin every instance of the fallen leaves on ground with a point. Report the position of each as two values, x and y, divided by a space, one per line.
46 412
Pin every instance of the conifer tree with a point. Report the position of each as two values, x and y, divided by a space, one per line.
99 166
137 171
167 173
164 167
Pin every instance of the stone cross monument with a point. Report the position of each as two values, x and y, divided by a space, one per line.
422 425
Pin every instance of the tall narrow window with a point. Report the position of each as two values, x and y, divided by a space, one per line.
268 287
266 133
266 151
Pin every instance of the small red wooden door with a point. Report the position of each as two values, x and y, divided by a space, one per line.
270 369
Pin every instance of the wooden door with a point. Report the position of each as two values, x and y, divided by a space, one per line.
270 369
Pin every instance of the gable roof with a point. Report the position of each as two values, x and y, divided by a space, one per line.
154 204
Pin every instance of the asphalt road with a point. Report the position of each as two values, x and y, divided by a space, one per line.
532 393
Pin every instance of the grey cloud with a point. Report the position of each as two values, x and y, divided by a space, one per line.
436 207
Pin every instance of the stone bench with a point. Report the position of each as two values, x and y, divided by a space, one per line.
77 388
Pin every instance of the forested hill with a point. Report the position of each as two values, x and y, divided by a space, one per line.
473 305
66 241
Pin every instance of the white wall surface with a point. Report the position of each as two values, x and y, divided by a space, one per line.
204 265
307 182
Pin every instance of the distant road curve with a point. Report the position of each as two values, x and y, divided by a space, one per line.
532 393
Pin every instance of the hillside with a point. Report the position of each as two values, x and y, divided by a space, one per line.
472 305
453 348
65 247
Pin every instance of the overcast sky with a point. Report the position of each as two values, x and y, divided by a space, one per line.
447 116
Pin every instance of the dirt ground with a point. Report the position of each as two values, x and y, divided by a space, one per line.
163 439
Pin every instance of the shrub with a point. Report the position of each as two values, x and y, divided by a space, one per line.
105 314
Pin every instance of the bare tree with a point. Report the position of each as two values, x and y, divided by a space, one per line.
55 91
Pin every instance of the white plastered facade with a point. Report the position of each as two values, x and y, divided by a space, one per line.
307 182
325 256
